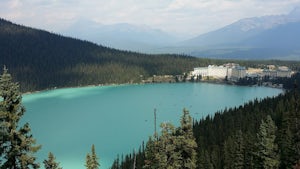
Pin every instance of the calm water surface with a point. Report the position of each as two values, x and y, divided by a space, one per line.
117 119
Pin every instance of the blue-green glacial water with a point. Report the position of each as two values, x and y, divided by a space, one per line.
117 119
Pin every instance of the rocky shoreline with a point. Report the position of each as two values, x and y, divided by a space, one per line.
165 79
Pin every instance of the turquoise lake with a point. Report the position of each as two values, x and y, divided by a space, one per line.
117 119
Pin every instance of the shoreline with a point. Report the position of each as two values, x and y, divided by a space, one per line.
221 82
74 87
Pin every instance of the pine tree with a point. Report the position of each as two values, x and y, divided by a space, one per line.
92 160
50 162
215 156
88 161
151 153
174 148
286 145
167 156
140 157
239 148
228 153
116 163
17 143
163 153
266 148
187 144
204 161
249 149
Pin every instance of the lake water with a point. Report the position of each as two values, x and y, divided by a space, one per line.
117 119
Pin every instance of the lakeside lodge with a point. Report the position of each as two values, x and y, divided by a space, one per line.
233 72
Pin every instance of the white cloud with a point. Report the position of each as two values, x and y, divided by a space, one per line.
179 16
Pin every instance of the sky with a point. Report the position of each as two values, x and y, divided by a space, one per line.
185 17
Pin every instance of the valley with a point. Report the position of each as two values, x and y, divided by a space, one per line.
149 85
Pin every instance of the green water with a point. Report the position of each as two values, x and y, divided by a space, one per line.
117 119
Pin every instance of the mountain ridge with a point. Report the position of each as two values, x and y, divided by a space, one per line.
122 36
265 37
246 28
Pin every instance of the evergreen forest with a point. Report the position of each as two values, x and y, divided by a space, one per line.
41 60
261 134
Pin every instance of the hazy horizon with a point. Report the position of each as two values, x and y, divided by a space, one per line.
178 17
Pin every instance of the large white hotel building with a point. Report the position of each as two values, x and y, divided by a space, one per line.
231 71
234 72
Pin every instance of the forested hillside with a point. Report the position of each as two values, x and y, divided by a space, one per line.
39 60
260 134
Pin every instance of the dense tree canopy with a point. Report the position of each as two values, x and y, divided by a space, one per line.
40 60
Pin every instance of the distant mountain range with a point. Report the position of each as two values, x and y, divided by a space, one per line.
251 28
123 36
252 38
266 37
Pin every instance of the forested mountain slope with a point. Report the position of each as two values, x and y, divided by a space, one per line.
40 59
